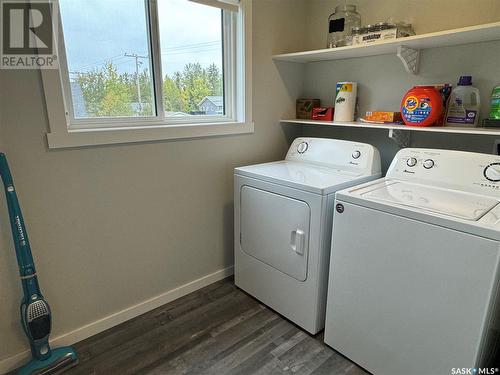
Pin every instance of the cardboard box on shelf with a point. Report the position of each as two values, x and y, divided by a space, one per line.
383 35
304 108
383 116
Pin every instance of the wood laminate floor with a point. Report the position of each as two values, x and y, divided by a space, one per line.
216 330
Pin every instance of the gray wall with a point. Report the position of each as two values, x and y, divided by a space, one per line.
383 81
113 226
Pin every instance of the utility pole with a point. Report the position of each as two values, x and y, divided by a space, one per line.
137 63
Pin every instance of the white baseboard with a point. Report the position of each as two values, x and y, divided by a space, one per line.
79 334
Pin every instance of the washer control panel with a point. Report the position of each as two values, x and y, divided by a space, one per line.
467 171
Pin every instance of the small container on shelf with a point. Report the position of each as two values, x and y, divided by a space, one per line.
322 114
382 26
491 123
355 31
370 28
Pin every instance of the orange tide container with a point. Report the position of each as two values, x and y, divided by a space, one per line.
422 106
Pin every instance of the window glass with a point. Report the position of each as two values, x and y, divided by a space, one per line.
191 40
108 58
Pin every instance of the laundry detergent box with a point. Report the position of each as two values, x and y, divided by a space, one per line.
304 108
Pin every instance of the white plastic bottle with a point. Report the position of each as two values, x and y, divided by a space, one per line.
464 105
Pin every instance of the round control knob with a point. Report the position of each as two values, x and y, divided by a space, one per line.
492 172
302 147
411 162
356 154
428 164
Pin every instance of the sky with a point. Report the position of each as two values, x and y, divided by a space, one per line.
97 31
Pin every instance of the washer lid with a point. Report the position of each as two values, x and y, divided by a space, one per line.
443 201
305 176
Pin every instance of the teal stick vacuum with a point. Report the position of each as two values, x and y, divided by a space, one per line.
35 311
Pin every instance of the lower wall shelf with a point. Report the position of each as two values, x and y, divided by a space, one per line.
435 129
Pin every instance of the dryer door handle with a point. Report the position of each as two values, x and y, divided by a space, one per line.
297 241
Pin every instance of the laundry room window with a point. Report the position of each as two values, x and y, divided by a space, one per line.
192 41
107 76
163 66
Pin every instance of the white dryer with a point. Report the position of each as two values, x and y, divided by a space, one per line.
283 215
413 285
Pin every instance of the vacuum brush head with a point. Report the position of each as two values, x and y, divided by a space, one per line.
59 361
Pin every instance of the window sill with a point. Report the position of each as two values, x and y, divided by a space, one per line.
108 136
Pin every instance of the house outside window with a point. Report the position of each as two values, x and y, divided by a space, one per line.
212 105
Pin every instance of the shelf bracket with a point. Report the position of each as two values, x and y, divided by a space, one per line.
401 137
410 58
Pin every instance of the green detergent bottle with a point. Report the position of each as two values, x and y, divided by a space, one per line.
495 104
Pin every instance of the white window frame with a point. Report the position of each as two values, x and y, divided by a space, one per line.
65 131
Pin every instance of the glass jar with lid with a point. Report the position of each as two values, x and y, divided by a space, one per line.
370 28
349 39
383 26
340 25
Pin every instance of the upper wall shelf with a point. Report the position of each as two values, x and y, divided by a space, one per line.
363 125
465 35
400 134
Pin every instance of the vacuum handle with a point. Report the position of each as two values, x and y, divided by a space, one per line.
5 171
19 234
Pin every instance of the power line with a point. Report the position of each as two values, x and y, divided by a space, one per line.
168 50
190 52
183 46
179 49
92 64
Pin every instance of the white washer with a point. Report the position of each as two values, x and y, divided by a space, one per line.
283 215
413 285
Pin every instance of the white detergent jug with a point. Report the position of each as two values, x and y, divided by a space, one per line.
463 108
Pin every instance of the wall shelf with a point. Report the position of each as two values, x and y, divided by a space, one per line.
453 37
435 129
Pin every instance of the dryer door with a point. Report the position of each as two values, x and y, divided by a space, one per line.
275 230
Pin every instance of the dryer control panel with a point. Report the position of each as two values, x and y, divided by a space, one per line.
336 153
467 171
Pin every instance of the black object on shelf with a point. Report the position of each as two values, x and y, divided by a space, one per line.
491 123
